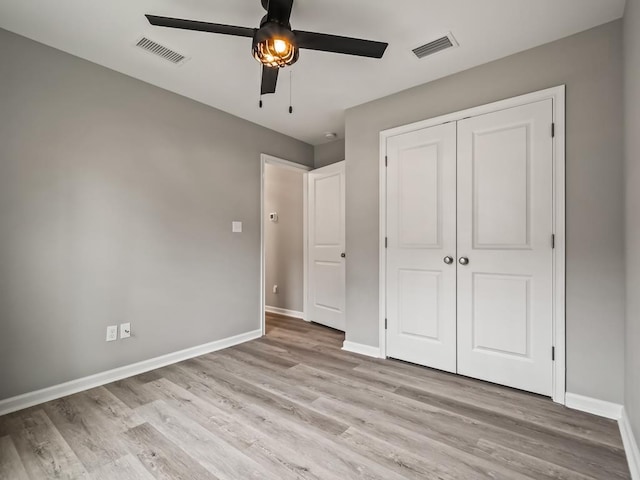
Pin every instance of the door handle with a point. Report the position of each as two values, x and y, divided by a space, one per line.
343 255
448 260
463 261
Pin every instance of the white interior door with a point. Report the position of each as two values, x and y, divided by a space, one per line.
421 238
327 246
505 226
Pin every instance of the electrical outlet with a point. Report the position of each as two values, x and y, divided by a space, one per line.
112 333
125 330
275 289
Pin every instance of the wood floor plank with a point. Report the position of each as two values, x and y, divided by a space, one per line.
245 353
295 441
43 451
522 426
310 355
243 391
419 444
130 391
87 436
519 405
11 467
541 468
112 412
259 376
235 430
162 458
219 457
428 464
124 468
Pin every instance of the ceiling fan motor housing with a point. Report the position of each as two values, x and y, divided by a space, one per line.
274 45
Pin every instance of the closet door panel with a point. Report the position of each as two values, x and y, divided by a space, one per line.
505 226
421 229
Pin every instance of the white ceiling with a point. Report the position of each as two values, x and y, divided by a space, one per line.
222 73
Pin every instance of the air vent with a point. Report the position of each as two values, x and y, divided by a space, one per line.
161 51
435 46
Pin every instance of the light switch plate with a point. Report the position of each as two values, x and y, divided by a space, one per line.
236 227
125 330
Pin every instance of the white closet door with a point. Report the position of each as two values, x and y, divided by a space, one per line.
327 241
505 231
421 230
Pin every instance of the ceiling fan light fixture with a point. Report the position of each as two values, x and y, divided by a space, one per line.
275 46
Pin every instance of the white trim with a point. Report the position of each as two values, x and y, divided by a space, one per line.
30 399
630 446
361 349
594 406
382 254
305 248
559 252
279 162
557 94
286 164
284 311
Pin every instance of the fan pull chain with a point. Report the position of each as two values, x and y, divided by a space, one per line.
290 91
260 83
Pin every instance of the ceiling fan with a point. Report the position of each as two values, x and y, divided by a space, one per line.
275 45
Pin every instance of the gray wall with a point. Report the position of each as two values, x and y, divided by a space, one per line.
590 64
632 176
328 153
284 242
116 203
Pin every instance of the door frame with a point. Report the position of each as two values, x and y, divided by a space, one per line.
557 94
286 164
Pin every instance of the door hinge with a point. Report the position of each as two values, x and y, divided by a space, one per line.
386 242
386 161
553 354
553 240
553 130
385 323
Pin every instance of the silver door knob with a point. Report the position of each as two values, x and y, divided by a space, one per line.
464 261
343 255
448 260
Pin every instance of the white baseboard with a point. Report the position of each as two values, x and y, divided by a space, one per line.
613 411
284 311
367 350
74 386
630 446
594 406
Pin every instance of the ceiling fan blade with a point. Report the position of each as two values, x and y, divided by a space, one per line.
279 10
337 44
200 26
269 80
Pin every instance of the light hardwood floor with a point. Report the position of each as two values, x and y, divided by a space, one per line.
293 405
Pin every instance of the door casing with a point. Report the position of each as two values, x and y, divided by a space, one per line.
557 95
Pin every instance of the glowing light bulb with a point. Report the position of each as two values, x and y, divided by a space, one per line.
280 46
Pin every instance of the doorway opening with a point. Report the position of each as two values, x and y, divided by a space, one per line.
283 225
